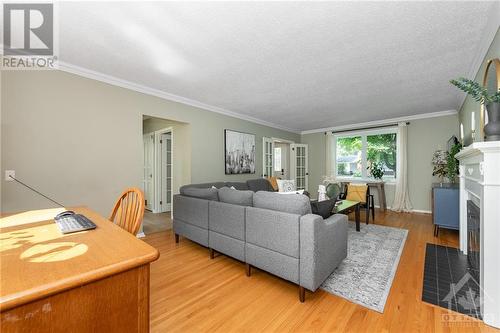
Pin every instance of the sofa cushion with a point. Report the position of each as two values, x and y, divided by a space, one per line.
237 185
202 185
276 231
201 193
323 208
259 184
292 203
236 197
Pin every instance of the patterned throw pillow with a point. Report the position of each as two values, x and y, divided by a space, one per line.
286 185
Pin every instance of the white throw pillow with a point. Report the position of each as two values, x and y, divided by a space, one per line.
292 192
286 185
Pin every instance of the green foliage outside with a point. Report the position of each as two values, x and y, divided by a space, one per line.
381 149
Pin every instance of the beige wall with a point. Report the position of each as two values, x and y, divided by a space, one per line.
424 137
181 134
80 140
470 105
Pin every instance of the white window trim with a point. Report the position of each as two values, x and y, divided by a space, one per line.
363 134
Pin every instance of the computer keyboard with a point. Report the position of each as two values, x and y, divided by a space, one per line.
74 223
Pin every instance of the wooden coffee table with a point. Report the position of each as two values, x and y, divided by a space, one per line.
347 206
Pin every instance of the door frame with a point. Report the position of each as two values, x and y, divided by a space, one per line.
273 140
156 207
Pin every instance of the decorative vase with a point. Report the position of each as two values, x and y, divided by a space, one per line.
492 128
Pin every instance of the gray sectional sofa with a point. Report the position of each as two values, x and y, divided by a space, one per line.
270 231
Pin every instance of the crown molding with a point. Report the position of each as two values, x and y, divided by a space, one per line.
112 80
382 122
492 26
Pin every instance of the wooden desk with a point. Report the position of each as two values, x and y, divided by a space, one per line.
90 281
380 187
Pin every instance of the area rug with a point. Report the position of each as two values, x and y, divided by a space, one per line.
365 276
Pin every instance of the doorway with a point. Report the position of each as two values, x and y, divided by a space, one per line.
285 159
158 174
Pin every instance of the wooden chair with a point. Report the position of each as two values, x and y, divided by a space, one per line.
361 193
129 210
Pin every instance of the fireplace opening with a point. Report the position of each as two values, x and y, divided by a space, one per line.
473 238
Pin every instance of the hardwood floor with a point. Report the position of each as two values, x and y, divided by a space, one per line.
191 293
156 222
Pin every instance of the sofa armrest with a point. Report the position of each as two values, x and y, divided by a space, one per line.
323 246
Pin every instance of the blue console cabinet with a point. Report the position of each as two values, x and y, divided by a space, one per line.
445 206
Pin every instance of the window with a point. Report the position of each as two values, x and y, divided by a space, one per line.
277 159
356 152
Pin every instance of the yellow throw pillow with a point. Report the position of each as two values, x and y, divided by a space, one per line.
357 192
274 182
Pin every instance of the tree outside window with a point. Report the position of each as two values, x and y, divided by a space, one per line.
355 153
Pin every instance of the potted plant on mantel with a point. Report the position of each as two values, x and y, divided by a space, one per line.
492 103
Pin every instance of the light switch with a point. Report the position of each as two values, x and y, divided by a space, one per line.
9 173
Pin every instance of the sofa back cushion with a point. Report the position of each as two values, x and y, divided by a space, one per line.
192 211
259 184
291 203
236 197
237 185
201 193
202 185
227 219
275 231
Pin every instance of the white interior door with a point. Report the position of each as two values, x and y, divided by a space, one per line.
148 184
165 172
299 165
267 157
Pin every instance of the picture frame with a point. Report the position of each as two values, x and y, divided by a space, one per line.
239 152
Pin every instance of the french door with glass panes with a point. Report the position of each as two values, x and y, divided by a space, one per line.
299 166
165 182
148 187
267 157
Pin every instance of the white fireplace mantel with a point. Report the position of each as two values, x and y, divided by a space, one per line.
480 182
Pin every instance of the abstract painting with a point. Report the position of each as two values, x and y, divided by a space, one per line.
239 152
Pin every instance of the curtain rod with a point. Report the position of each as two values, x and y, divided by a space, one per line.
367 128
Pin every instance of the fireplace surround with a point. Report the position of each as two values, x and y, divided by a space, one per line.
480 187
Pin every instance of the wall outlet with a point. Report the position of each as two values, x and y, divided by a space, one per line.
9 173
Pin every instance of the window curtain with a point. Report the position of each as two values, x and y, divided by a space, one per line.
401 196
329 155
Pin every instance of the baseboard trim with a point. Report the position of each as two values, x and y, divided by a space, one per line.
422 211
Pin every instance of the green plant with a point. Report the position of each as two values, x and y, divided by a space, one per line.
439 162
452 163
376 170
341 169
477 91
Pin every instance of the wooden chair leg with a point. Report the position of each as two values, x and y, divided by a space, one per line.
367 211
212 253
302 294
248 269
176 238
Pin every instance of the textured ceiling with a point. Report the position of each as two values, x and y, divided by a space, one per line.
298 65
